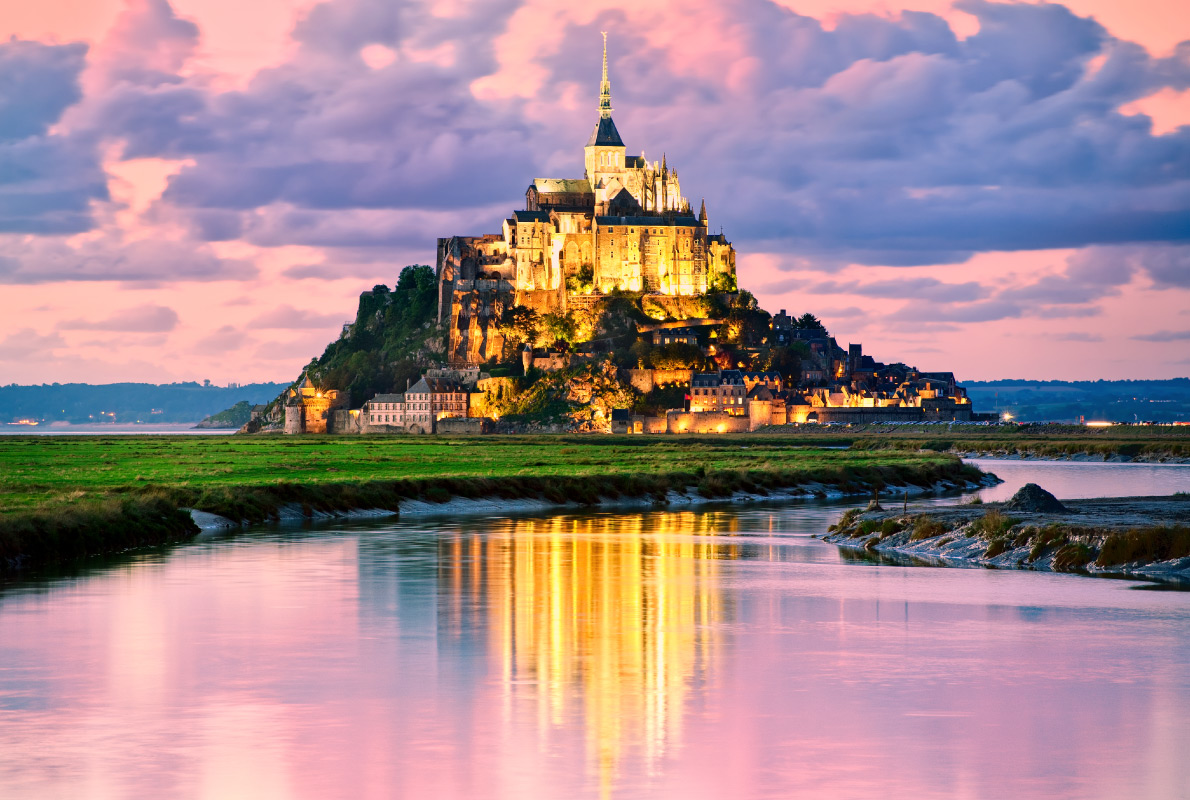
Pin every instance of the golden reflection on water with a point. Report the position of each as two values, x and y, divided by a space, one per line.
609 617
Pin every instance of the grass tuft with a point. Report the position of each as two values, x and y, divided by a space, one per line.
993 524
1161 543
926 528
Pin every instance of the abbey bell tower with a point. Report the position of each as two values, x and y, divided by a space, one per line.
604 153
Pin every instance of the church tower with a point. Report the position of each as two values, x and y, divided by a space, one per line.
604 153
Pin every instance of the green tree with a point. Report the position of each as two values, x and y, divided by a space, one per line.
520 325
679 355
809 322
390 339
558 328
787 361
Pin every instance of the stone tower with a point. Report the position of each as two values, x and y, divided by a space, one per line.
604 153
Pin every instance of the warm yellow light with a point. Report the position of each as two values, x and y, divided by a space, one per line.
722 427
1100 424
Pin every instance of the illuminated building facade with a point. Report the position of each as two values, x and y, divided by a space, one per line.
624 225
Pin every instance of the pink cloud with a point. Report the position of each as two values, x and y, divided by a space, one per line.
287 317
147 318
220 152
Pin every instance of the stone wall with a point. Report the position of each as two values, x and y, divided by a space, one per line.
463 426
705 422
644 380
491 395
676 307
642 424
857 415
760 413
343 421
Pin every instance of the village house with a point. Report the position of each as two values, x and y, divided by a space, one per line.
384 409
666 336
713 392
432 399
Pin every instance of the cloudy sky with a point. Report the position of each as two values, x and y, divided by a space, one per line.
200 189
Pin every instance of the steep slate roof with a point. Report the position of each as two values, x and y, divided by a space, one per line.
562 185
649 222
727 377
605 134
531 216
435 386
387 398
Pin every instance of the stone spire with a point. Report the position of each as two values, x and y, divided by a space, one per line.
605 86
702 214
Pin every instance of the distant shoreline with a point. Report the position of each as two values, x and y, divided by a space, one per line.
112 429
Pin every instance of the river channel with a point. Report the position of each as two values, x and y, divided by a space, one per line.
717 653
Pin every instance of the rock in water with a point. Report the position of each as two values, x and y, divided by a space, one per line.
1032 497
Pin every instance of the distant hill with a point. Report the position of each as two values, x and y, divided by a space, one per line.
82 403
234 417
1067 401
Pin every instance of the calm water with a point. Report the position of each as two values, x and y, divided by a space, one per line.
704 654
1071 480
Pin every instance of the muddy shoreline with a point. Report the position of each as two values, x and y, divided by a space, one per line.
1143 537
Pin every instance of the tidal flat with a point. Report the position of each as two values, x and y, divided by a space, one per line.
1145 537
65 498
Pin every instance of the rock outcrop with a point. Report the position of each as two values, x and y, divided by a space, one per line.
1032 497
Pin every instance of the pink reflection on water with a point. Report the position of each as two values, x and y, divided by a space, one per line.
700 654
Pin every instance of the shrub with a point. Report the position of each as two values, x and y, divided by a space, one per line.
1074 555
993 524
1145 544
996 547
926 528
1024 535
869 526
890 526
846 520
1047 536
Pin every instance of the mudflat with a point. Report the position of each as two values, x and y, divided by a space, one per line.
1142 536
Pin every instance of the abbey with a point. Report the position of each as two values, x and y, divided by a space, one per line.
624 225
